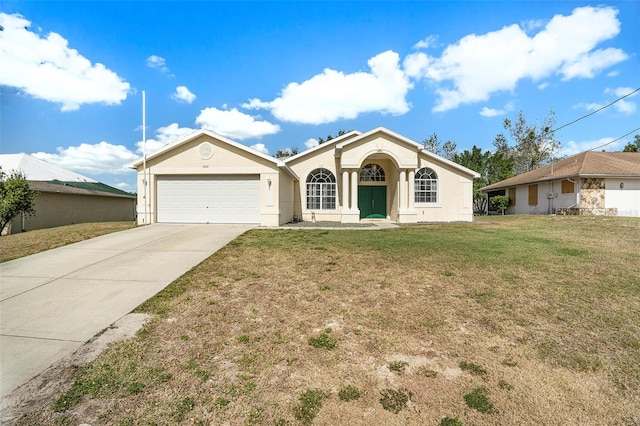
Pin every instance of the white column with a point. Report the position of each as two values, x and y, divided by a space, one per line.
354 189
345 190
403 190
412 189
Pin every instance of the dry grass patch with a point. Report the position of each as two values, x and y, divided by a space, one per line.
24 244
514 320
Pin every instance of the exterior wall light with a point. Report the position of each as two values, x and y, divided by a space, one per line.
621 185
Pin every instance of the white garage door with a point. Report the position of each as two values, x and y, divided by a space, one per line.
209 199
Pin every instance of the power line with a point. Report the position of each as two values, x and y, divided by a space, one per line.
615 140
598 110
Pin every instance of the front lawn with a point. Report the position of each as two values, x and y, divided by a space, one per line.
510 320
26 243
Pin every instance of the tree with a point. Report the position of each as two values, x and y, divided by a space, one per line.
329 137
286 152
492 167
534 146
433 144
15 197
633 146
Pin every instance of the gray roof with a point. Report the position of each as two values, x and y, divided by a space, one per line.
38 170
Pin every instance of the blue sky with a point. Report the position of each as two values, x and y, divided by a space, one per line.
274 75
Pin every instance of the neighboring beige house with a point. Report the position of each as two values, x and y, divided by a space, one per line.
590 183
64 197
208 178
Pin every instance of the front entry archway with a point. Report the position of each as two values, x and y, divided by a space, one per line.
372 202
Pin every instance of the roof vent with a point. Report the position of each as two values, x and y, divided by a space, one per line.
205 150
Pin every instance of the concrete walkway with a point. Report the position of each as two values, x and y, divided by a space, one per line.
52 302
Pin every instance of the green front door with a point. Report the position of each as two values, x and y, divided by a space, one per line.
372 201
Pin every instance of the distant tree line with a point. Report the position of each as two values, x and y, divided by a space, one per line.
530 146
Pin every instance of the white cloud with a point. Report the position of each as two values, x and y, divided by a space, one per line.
164 135
183 94
260 147
491 112
623 106
532 25
426 43
46 68
477 66
310 143
333 95
589 64
93 159
416 64
543 86
612 73
235 124
573 147
124 186
158 62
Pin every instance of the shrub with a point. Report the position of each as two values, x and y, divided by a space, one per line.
395 400
349 393
310 405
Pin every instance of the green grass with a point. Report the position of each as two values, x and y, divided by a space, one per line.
324 340
472 368
309 406
532 309
349 393
478 399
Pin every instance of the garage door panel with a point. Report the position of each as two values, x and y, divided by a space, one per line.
210 199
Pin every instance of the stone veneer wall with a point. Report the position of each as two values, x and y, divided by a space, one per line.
592 193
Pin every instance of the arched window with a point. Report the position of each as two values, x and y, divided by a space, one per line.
426 186
372 173
321 190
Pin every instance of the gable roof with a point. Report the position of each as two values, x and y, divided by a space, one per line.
197 133
586 164
418 147
38 170
334 141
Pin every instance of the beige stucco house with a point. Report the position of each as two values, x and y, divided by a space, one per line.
208 178
589 183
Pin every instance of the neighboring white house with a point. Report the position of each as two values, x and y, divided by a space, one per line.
208 178
590 183
65 197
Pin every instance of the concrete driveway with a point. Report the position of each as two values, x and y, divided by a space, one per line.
53 302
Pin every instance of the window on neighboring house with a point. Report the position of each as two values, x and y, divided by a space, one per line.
533 195
321 190
372 173
512 197
567 187
426 186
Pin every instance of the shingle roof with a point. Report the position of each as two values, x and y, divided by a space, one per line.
586 164
79 188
